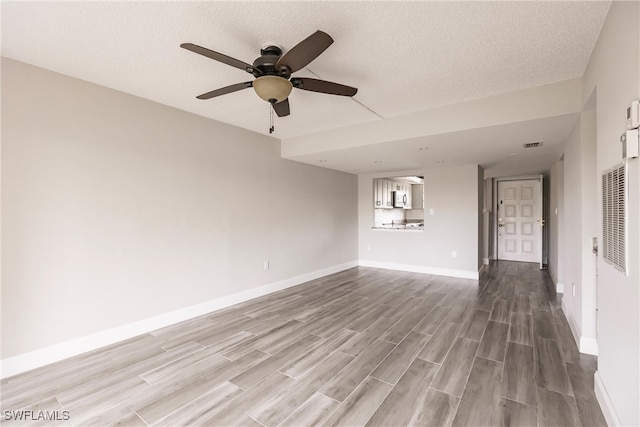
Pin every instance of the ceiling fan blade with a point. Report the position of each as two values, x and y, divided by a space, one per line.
282 108
225 90
218 56
306 51
323 86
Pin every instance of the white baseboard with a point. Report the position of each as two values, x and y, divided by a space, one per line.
482 267
572 322
463 274
45 356
604 400
586 345
559 286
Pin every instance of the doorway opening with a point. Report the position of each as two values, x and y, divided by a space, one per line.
519 219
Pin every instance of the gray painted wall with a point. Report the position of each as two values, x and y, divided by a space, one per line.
556 204
613 72
580 210
453 193
117 209
573 226
480 208
489 234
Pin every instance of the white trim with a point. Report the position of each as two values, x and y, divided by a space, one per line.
450 272
586 345
559 286
575 331
482 267
605 402
496 181
45 356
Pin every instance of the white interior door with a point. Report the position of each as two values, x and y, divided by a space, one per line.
520 220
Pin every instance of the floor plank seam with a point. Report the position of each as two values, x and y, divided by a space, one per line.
444 392
383 381
258 422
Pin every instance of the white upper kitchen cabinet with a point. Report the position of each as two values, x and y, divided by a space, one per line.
382 196
377 194
417 194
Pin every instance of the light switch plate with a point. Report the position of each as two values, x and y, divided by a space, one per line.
630 144
633 115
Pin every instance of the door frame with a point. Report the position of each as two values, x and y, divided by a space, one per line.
540 179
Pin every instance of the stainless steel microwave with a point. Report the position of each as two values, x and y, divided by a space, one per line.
400 199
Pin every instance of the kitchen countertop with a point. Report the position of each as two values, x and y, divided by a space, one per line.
408 226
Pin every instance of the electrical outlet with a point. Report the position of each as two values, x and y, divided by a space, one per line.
432 211
265 265
454 254
573 289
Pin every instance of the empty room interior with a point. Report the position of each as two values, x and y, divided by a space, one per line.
320 213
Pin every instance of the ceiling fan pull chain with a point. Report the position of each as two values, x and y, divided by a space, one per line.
271 128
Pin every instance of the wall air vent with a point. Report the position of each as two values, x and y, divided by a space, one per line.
533 144
614 218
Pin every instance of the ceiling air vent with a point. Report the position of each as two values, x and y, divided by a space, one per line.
533 144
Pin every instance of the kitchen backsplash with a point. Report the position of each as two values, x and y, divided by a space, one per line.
414 214
387 215
398 214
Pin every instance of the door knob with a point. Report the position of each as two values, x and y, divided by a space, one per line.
500 225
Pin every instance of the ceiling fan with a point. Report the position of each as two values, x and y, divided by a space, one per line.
272 71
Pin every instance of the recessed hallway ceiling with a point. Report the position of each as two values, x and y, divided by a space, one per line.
498 149
402 56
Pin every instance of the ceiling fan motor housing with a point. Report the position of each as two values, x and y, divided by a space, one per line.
265 65
270 48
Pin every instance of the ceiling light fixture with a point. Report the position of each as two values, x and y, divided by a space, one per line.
423 148
513 154
322 161
272 89
377 161
439 161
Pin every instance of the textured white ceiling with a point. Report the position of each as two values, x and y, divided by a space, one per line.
402 56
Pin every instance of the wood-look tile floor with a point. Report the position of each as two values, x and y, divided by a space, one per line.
361 347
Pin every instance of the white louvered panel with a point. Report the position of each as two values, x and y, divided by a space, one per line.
605 215
614 201
621 231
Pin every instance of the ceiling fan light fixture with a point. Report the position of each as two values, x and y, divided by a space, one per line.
272 71
272 88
